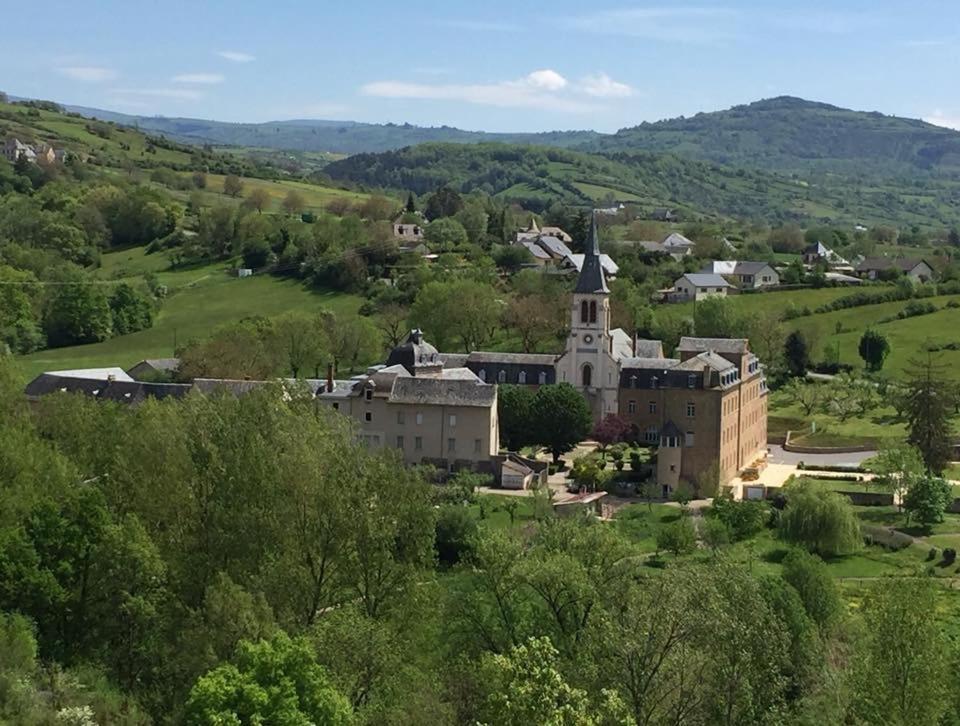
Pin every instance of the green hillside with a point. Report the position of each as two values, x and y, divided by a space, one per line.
791 134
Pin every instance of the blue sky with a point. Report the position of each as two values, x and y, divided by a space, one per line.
493 65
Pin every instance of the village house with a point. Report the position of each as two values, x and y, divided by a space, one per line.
746 275
874 268
534 231
698 286
14 149
408 229
154 368
819 252
674 244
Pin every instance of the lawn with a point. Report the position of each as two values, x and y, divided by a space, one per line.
777 301
877 426
201 299
316 197
490 511
640 522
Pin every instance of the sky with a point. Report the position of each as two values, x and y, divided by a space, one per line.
495 65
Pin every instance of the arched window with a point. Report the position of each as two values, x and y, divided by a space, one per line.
502 376
522 377
587 375
593 311
584 312
483 375
542 378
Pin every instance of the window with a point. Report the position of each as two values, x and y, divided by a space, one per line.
399 442
400 417
477 446
631 406
336 406
542 378
688 439
587 375
653 382
368 394
522 377
453 419
419 419
502 377
652 407
451 445
692 380
593 311
368 416
651 435
418 443
482 375
633 381
584 312
691 410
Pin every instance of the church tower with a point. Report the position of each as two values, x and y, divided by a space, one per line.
588 363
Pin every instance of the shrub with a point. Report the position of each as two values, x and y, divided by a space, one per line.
678 537
932 554
949 555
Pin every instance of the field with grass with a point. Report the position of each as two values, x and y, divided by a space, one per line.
200 299
316 197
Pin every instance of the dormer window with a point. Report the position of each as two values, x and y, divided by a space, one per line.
653 382
368 394
522 377
633 381
691 380
502 376
542 378
482 375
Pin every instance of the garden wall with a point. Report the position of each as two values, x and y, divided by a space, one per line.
799 449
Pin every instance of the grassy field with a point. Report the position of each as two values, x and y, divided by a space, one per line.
316 197
200 300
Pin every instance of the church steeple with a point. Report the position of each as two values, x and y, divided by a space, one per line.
591 280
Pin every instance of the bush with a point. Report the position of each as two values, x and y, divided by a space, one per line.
678 537
949 555
455 533
932 554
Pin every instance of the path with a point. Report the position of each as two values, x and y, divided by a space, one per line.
779 456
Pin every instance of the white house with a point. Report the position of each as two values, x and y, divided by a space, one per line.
747 275
698 286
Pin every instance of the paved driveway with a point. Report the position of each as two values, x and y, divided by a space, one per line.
779 456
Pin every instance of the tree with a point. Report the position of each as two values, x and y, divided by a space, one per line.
927 499
587 474
78 313
473 218
294 202
901 669
515 416
715 317
456 531
303 341
444 234
874 349
353 340
953 237
411 206
130 310
808 575
444 202
678 537
461 309
609 430
808 395
716 533
898 467
275 681
259 199
562 418
392 323
797 354
819 520
536 318
232 185
929 407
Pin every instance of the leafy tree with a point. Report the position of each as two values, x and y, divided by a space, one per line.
745 519
874 349
851 396
275 681
537 318
927 499
562 418
929 407
294 203
444 202
808 575
232 185
303 340
130 310
353 340
473 218
258 198
456 530
257 254
19 330
809 395
79 312
819 520
899 467
796 353
461 309
411 206
716 318
716 533
901 671
609 430
444 234
678 537
378 207
515 416
587 473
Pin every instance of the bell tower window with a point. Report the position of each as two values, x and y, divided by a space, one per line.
587 375
584 312
593 311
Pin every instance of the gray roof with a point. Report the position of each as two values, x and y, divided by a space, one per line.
647 348
414 353
158 364
341 389
649 364
442 392
541 359
101 389
705 279
719 345
887 263
606 261
750 268
622 345
453 360
554 246
103 374
536 250
591 279
675 239
237 387
707 358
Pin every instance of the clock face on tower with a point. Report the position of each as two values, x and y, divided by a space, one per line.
587 338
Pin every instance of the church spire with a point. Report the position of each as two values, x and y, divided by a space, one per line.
592 280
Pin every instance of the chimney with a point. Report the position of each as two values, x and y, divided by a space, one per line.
111 378
329 377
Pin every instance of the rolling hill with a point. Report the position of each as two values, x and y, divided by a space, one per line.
792 134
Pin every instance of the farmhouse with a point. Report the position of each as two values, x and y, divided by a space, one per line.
698 286
13 149
818 252
154 367
408 230
873 268
747 275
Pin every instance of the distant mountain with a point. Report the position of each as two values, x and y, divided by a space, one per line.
338 137
791 134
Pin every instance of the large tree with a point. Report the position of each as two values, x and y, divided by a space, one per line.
927 499
820 520
516 417
796 353
561 418
79 312
444 202
874 349
929 408
465 311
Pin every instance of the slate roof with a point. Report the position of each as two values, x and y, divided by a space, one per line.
554 246
102 374
705 279
690 344
516 358
750 268
235 386
708 358
649 364
165 365
887 263
414 353
609 266
591 279
647 348
536 250
102 389
675 239
442 392
453 360
622 345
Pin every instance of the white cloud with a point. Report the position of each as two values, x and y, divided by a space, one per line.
236 56
546 79
600 85
696 25
202 78
939 118
179 94
89 74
